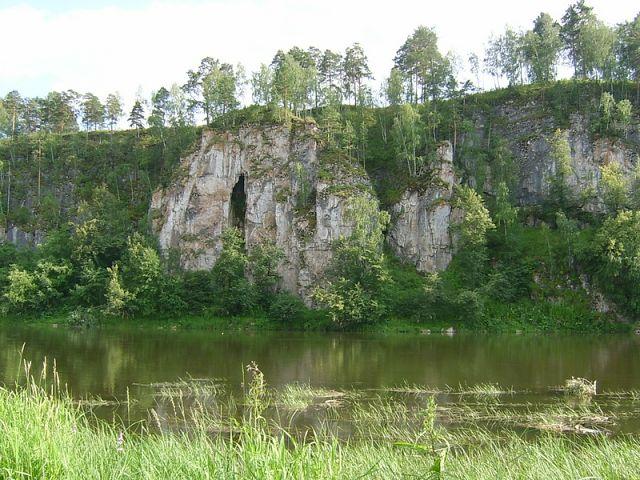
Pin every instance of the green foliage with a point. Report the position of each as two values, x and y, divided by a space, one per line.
394 89
504 57
263 261
141 277
426 71
472 235
476 221
634 187
160 109
615 187
39 289
92 231
348 303
22 289
355 70
616 251
199 290
588 41
117 298
506 214
93 111
510 279
136 117
113 109
233 292
101 231
357 272
561 194
614 118
213 88
607 109
624 113
629 47
287 309
542 47
568 230
406 134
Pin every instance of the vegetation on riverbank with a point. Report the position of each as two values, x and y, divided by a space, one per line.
44 434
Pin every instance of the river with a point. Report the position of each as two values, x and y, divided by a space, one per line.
119 363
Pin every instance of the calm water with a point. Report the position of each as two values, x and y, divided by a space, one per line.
107 362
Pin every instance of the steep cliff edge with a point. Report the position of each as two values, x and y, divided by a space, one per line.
421 221
278 183
275 184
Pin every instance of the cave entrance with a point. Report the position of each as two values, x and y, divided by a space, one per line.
238 207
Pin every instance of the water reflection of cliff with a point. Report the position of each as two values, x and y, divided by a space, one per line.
107 362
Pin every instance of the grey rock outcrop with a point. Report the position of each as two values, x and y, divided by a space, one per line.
587 157
421 220
21 238
527 131
288 192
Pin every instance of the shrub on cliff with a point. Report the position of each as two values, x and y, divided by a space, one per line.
357 274
234 294
263 263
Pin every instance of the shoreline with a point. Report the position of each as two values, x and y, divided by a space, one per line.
204 322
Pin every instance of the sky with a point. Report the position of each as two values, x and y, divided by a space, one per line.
129 46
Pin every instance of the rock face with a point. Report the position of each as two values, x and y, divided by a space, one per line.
527 133
20 238
587 157
273 184
421 221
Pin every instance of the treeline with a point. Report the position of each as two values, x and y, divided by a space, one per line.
593 49
302 79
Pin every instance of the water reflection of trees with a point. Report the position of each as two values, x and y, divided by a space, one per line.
106 362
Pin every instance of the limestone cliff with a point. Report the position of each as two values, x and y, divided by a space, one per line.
421 220
527 130
17 236
275 184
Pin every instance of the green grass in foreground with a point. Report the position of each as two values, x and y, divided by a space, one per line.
47 436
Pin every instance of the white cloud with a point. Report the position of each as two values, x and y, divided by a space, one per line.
119 49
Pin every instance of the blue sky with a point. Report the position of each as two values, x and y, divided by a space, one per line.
104 46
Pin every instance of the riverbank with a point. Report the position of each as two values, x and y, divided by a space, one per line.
539 319
541 324
48 436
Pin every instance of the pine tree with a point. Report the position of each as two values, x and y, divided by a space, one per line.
92 111
136 117
355 68
113 107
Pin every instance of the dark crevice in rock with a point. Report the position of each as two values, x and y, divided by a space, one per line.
238 207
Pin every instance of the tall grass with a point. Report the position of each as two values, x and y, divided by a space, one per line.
46 435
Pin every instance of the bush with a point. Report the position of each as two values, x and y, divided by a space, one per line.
616 251
358 273
263 264
349 303
234 293
38 289
287 308
197 290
